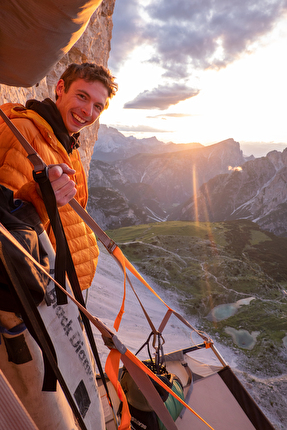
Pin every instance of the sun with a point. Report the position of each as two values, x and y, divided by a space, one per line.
245 101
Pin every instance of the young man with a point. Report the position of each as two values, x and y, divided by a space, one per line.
82 93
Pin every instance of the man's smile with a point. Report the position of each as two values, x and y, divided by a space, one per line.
78 118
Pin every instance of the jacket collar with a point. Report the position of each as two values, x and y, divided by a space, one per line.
47 109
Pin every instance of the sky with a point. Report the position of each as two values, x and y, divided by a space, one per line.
200 70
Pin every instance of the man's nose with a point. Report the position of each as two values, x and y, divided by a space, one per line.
88 109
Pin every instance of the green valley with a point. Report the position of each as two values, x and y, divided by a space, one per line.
215 267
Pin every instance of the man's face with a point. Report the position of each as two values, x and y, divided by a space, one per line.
82 104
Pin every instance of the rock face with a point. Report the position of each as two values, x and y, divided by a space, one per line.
93 46
147 186
114 202
177 175
165 182
258 192
113 145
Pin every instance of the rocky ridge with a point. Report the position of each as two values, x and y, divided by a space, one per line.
256 192
153 183
186 182
112 145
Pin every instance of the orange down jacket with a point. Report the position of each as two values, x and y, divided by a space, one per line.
16 173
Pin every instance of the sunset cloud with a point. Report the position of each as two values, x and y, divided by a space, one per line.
208 34
138 128
128 28
171 115
198 33
162 97
220 61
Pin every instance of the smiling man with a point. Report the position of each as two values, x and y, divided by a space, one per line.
82 93
82 104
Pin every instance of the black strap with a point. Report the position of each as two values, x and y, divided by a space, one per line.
37 328
41 177
65 264
40 171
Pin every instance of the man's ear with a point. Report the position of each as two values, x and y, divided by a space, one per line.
60 87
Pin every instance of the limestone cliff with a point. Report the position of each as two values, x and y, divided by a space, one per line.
94 46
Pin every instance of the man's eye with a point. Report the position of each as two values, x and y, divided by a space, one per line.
82 96
99 108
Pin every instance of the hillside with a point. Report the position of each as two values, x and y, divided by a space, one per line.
230 275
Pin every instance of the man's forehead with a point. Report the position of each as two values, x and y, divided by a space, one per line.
78 83
90 87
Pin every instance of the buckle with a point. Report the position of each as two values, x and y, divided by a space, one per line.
41 176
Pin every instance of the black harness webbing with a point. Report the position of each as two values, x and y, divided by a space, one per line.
109 244
112 342
63 263
66 265
61 258
38 330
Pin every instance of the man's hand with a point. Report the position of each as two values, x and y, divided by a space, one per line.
64 187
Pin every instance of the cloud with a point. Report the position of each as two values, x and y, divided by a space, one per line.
127 33
138 128
162 97
192 33
171 115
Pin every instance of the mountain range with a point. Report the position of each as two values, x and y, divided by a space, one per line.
256 192
229 274
135 181
112 145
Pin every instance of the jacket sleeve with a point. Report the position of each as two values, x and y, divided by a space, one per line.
16 171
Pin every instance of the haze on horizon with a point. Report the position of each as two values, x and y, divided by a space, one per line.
200 71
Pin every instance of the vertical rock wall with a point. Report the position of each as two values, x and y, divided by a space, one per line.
93 46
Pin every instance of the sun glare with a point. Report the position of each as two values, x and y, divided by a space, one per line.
235 169
245 101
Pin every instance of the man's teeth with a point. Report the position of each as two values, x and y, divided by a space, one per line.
79 119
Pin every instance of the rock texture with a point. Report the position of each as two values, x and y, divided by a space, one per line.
114 202
257 192
113 145
177 175
147 186
93 46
